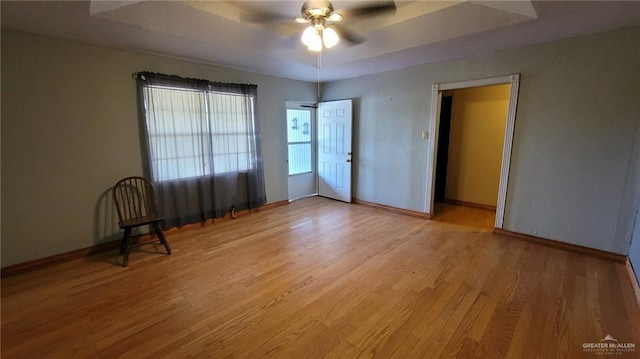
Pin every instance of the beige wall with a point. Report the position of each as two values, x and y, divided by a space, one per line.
571 177
70 131
478 118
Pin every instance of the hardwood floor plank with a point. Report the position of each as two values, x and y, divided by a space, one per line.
343 350
521 334
453 317
375 331
452 348
324 279
484 317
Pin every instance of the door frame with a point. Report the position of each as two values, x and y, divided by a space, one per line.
312 107
434 127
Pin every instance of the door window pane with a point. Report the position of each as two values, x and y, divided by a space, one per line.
299 140
299 158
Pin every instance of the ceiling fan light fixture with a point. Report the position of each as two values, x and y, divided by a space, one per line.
316 45
312 38
309 35
330 37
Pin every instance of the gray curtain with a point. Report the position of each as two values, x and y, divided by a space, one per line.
201 146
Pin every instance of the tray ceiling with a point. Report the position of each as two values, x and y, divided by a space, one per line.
419 32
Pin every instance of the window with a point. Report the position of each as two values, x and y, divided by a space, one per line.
194 132
233 132
299 140
201 146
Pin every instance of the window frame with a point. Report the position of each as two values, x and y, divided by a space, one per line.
208 153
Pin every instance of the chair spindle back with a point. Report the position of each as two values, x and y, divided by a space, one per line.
134 198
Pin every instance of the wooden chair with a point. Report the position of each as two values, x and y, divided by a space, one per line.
135 200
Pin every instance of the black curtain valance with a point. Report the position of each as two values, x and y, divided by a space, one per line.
154 78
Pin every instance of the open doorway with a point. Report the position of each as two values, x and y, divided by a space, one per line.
470 144
319 158
437 94
442 158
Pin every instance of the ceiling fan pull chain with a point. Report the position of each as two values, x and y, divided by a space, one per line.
319 66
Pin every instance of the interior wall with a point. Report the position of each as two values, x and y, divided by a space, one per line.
478 120
70 131
633 197
573 139
634 250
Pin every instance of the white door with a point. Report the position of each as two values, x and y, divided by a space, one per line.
334 149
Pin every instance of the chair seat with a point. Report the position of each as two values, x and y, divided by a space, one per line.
141 221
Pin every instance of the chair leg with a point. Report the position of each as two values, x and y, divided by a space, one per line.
122 245
160 234
125 247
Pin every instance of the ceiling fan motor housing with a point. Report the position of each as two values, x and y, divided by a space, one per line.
321 16
316 9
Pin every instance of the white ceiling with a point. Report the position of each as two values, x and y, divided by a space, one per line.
419 32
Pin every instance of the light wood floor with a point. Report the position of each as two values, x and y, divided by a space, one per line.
319 278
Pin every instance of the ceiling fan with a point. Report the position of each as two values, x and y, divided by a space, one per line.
323 30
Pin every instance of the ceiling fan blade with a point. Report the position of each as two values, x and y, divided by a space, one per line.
282 25
263 18
286 28
349 36
375 8
300 20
